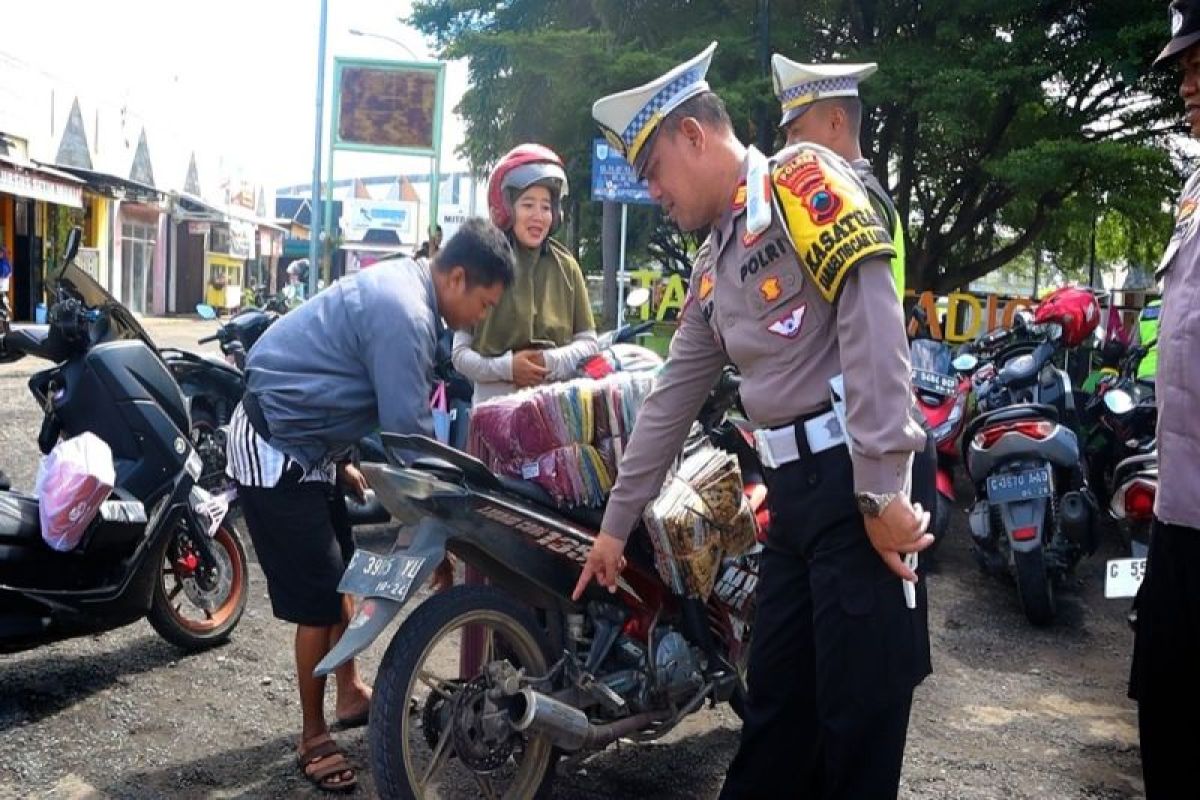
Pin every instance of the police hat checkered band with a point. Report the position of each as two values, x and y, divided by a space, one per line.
630 118
815 90
668 98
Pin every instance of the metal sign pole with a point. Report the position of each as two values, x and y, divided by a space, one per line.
621 267
314 228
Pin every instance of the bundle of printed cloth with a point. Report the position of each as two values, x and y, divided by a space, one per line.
700 518
565 437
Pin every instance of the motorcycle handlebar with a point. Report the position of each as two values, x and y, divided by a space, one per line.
208 339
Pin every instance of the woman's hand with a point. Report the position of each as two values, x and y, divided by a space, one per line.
529 369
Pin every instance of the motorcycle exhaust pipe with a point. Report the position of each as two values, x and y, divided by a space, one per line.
567 727
1075 516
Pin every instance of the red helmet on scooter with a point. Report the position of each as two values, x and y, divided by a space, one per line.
1072 307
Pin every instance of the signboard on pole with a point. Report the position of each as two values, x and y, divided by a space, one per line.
388 106
613 179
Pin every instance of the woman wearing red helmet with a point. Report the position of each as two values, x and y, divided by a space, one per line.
543 326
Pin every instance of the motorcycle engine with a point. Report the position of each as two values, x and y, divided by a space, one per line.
671 675
676 670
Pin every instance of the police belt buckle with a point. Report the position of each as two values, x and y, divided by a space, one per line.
777 446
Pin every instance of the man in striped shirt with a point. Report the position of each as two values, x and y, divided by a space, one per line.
357 357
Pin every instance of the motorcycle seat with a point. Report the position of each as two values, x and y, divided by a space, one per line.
19 523
589 518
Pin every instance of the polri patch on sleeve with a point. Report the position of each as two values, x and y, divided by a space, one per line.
829 218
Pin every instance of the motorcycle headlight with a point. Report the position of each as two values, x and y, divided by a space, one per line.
956 414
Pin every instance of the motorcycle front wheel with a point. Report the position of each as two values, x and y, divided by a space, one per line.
429 736
196 610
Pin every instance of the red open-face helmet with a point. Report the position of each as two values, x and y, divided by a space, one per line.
1072 307
524 166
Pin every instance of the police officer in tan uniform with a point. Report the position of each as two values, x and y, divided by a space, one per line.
794 287
1166 649
819 103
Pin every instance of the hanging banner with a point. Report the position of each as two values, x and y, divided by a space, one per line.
27 183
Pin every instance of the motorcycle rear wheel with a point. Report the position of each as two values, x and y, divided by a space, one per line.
216 610
1034 586
413 754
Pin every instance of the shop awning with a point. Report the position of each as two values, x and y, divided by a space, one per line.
189 208
117 187
27 179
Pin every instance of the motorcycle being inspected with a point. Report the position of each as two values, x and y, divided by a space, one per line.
552 676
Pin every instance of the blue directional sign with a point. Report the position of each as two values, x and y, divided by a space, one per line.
613 179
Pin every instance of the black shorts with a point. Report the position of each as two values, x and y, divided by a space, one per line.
301 534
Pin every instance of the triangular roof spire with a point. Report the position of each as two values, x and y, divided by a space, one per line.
73 150
191 183
142 170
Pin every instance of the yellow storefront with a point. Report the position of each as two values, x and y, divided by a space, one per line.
223 280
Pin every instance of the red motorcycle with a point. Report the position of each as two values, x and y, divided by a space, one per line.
941 391
553 676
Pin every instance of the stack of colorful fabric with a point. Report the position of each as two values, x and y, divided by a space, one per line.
700 517
565 437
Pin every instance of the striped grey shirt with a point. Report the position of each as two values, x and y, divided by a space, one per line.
253 462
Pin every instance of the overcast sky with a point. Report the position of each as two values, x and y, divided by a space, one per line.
238 76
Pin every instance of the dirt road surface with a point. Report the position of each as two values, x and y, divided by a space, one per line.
1010 712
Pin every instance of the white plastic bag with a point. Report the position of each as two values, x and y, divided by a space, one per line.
72 482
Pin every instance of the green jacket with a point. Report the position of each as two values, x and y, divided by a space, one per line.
1148 335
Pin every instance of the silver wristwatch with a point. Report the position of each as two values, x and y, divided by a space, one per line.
872 505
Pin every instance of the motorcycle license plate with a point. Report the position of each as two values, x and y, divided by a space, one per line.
934 382
373 575
1028 484
1123 576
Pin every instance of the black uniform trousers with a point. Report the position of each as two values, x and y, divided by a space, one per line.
1166 662
836 652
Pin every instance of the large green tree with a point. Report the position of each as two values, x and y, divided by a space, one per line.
990 121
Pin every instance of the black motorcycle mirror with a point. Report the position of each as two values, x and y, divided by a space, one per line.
73 239
206 311
69 253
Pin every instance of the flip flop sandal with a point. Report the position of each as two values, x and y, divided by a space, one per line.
354 720
325 766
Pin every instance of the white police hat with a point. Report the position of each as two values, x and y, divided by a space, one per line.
630 118
798 86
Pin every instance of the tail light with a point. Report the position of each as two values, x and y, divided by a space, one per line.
1135 501
1034 429
1025 534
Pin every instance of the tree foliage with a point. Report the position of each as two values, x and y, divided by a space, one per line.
996 124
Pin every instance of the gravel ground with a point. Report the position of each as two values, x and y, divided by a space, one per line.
1010 712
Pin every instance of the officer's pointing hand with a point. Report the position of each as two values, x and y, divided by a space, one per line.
604 563
899 529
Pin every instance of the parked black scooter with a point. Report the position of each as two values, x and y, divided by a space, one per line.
213 386
159 547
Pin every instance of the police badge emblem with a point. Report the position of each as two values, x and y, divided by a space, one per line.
770 289
789 327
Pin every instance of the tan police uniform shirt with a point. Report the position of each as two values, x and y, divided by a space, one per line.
1177 379
809 298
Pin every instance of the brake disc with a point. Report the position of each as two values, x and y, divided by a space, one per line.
478 750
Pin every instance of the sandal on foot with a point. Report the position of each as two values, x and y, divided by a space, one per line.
354 720
325 765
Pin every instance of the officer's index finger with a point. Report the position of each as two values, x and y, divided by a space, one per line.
584 578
